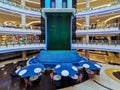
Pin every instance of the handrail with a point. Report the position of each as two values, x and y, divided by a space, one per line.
7 43
99 7
99 26
98 42
19 27
92 26
21 47
19 6
78 10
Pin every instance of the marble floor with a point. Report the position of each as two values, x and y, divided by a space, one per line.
105 81
102 57
101 82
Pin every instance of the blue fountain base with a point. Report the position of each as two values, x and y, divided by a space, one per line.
54 57
50 58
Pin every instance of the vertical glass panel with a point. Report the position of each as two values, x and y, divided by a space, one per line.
52 3
43 3
64 4
58 3
74 3
69 3
47 3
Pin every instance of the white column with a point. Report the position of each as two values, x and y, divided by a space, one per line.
87 28
23 16
23 2
87 4
3 1
23 19
109 39
119 39
87 20
24 55
119 56
23 22
87 36
118 1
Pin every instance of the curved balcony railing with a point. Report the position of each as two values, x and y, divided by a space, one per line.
99 7
93 29
11 46
20 27
22 47
6 29
7 43
98 42
113 46
78 10
24 42
100 26
19 6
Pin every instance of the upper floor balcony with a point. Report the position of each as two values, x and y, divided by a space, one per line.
103 45
106 8
111 48
19 30
17 8
30 11
93 30
22 47
99 29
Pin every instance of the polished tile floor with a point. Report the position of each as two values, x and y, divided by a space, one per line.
103 57
102 82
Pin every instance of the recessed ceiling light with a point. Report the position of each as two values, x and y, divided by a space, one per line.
2 65
2 69
32 2
98 20
15 62
5 73
85 2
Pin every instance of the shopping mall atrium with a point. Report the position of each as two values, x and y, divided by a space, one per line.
55 32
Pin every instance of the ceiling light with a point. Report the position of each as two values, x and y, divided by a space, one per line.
111 18
32 2
15 62
85 2
98 20
114 70
109 5
2 69
102 6
33 22
5 73
2 65
78 24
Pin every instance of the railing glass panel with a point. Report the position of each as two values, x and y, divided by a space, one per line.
19 6
16 27
97 42
100 26
99 7
6 43
78 10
